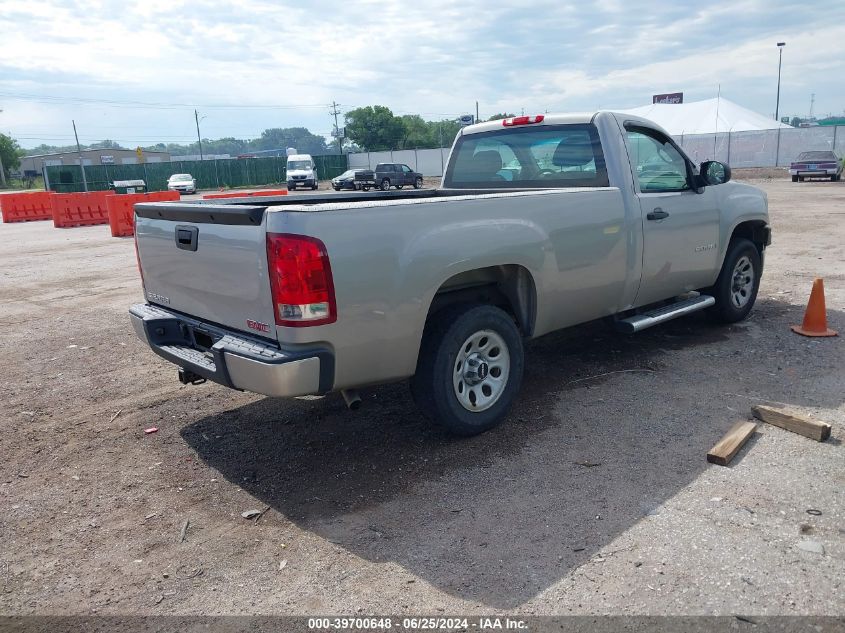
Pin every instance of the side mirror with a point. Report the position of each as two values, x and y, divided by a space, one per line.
714 173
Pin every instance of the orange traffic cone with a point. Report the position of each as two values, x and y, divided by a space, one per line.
815 318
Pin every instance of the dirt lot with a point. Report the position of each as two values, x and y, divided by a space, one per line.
594 497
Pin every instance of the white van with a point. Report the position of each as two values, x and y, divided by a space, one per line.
301 171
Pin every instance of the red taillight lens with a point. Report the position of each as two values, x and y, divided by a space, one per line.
523 120
300 280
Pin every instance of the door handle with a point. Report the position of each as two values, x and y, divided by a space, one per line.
657 214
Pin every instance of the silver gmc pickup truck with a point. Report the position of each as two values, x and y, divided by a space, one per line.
541 223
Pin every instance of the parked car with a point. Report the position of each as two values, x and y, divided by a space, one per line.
183 183
443 286
816 164
397 175
355 179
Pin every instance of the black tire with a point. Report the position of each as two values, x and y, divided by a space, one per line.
732 304
795 179
335 188
418 183
434 387
314 187
800 178
385 184
291 188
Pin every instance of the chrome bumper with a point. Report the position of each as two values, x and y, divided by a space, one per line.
230 359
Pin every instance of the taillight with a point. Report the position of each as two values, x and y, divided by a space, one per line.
300 280
523 120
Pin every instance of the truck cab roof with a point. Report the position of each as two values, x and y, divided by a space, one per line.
553 119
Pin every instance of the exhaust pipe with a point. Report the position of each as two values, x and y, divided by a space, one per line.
351 398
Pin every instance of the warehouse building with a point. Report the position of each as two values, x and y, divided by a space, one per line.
32 166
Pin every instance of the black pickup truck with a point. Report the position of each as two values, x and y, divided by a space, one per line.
397 175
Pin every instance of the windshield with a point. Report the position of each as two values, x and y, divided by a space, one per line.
817 156
528 157
180 177
299 164
347 174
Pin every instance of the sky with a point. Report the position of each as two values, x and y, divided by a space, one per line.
135 72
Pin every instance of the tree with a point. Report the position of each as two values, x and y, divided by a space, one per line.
416 133
501 115
374 128
10 153
442 133
298 137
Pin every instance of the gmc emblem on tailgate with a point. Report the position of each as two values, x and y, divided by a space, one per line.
257 325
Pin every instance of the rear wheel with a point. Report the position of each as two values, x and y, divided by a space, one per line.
795 179
385 184
736 288
469 369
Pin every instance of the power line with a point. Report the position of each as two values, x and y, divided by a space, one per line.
146 104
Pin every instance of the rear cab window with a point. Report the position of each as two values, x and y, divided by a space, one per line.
536 157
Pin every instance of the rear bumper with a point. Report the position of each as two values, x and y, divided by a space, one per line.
813 173
230 359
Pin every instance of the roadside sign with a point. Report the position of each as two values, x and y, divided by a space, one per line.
466 119
669 97
106 160
339 132
785 119
139 152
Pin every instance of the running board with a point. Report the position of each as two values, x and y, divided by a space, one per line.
665 313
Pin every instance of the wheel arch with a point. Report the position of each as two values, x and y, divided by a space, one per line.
508 286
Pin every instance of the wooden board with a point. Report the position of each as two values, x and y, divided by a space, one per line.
729 445
813 429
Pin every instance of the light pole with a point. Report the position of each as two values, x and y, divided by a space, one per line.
199 138
780 59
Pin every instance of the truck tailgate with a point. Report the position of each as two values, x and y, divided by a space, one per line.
207 261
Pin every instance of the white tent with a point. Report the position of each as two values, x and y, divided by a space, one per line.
705 117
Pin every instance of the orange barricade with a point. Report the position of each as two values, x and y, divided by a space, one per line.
26 207
80 209
249 194
121 209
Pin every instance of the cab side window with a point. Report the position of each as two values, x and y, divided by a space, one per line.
659 166
406 169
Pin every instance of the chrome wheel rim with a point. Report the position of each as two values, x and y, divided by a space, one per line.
481 370
742 283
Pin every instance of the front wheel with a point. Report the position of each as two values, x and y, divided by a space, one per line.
469 368
795 179
418 183
385 184
736 287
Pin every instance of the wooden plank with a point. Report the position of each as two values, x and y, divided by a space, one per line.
813 429
729 445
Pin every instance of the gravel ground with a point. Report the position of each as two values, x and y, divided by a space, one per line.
593 498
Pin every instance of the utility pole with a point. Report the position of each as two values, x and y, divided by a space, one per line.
780 59
79 152
335 112
476 111
199 138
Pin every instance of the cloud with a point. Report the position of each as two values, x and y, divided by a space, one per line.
432 57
